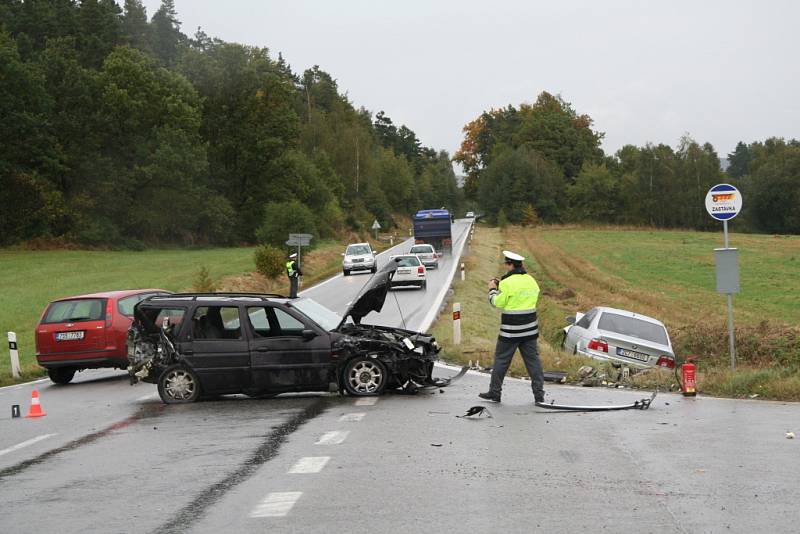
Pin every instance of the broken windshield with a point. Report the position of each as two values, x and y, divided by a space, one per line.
318 313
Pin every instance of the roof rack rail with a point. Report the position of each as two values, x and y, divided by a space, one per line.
223 294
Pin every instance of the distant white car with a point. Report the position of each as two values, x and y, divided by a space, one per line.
427 255
620 336
359 257
470 215
410 271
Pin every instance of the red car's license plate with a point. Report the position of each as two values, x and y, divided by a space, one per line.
69 336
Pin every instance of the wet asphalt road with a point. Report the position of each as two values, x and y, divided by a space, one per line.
114 459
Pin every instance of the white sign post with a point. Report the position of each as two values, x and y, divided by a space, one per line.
723 203
12 349
376 226
457 323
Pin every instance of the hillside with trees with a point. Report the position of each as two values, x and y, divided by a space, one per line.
544 161
119 129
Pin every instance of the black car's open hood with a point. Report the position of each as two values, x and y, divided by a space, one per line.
372 295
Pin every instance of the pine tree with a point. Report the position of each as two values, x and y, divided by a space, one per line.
529 216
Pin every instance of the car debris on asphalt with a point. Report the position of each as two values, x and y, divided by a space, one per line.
642 404
476 411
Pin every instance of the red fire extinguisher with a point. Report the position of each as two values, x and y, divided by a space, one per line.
688 383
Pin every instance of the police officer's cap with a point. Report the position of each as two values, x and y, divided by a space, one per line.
293 255
512 256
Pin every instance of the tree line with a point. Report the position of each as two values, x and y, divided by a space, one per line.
543 161
120 129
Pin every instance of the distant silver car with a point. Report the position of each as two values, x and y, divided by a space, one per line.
619 336
426 254
358 257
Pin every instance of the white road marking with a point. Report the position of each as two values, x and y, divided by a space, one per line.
276 504
24 444
333 437
366 401
309 464
147 397
20 386
352 417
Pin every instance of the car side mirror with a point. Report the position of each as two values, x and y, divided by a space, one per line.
571 319
309 334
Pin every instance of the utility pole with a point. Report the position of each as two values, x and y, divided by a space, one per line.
357 165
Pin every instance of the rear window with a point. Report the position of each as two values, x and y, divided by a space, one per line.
422 249
358 250
76 311
630 326
408 261
126 305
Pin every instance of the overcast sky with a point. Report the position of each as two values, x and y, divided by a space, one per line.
721 71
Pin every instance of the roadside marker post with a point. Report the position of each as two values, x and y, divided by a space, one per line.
457 323
462 272
723 203
14 353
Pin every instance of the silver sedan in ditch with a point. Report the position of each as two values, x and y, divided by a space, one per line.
619 336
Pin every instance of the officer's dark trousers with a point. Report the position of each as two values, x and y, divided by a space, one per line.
293 283
504 352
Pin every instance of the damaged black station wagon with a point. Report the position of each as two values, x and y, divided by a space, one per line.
199 345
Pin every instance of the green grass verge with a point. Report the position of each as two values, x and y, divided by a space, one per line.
669 275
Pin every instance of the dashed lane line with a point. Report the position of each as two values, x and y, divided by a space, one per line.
366 401
147 397
24 444
276 504
334 437
352 417
309 464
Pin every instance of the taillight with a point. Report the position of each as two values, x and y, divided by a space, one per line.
598 344
666 361
420 270
109 312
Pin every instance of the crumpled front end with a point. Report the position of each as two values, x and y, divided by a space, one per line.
408 356
149 355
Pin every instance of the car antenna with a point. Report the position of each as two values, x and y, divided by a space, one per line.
399 309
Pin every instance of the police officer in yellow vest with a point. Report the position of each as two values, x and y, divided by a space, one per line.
294 273
516 295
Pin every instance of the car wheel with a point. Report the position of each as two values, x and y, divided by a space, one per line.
365 376
374 268
178 385
423 285
61 375
346 272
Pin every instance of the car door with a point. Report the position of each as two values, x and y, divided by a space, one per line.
216 347
287 352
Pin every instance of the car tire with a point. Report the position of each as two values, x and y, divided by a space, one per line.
374 268
423 285
345 272
61 375
178 385
364 376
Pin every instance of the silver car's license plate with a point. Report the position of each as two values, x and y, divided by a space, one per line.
69 336
642 357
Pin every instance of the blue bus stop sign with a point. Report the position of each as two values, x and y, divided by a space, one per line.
723 202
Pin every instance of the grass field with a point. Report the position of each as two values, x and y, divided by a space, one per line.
31 279
665 274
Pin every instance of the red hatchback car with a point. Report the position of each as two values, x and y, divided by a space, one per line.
87 332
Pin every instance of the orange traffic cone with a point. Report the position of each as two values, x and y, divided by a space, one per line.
36 408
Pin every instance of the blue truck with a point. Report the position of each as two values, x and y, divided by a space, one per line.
434 227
